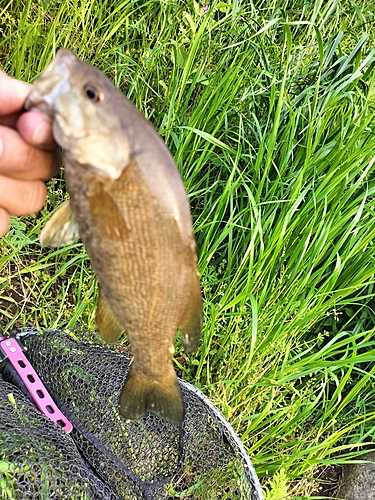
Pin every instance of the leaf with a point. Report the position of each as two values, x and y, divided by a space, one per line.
223 7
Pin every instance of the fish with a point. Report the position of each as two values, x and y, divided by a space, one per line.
128 204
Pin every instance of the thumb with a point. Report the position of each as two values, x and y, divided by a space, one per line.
36 129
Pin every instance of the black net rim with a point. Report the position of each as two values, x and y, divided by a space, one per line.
238 443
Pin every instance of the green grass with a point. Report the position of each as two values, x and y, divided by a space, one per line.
268 109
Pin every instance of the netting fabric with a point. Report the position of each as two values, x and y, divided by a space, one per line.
106 457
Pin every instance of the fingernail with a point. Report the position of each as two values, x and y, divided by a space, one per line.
42 135
1 146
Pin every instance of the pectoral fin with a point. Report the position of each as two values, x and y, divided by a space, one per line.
61 229
191 322
106 322
106 215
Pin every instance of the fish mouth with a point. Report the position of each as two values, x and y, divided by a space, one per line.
52 83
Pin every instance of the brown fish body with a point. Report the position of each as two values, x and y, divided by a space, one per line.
134 219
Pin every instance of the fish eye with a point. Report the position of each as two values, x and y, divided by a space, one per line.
93 93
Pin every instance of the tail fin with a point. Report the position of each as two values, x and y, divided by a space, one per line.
142 394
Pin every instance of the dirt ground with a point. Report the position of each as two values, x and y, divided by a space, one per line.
329 481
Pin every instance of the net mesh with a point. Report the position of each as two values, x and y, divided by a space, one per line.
105 457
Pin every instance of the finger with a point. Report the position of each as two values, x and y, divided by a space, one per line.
36 129
10 120
4 221
19 197
12 94
22 161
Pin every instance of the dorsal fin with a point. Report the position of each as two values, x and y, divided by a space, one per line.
191 323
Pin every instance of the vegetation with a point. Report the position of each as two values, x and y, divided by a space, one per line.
268 109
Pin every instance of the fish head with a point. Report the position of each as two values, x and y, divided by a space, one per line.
81 102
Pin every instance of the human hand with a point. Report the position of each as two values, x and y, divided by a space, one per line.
28 154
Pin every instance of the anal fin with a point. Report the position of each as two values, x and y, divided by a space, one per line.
191 323
61 229
106 322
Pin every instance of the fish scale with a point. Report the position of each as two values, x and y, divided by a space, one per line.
138 256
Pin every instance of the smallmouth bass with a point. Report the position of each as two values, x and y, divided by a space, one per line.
129 206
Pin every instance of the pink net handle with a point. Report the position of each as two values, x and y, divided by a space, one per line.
39 393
